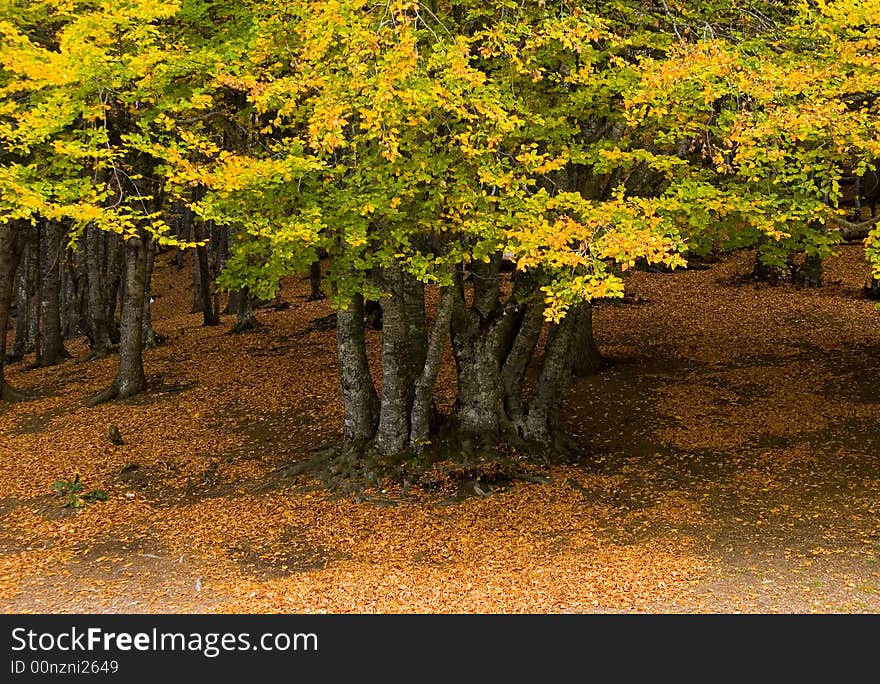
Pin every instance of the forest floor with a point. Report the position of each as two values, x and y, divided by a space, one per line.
728 462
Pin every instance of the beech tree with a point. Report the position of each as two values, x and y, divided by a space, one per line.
82 82
511 160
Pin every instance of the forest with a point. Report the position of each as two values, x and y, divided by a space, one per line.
521 306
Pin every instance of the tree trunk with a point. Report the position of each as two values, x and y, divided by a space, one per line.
216 253
25 297
8 266
518 358
151 339
210 315
99 290
51 349
392 436
130 377
241 304
359 398
114 251
315 292
809 273
542 421
184 228
587 358
423 412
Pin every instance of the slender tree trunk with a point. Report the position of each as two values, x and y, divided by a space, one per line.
315 292
130 377
423 412
518 358
217 245
51 349
587 358
8 265
151 339
114 251
542 422
210 315
184 230
359 398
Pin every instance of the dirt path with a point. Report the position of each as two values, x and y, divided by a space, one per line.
728 462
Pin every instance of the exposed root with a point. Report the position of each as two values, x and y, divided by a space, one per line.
104 396
249 324
97 355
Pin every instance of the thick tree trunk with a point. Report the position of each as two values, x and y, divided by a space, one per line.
99 290
72 294
130 377
51 349
359 398
587 358
25 297
242 305
8 265
392 436
809 273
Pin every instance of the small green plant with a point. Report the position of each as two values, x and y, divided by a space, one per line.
71 491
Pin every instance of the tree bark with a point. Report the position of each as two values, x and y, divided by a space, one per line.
809 273
397 382
359 398
25 298
51 349
151 339
423 412
587 357
242 305
210 315
8 266
130 376
542 422
518 358
315 292
99 290
478 414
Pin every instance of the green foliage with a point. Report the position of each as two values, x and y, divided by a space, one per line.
71 492
576 138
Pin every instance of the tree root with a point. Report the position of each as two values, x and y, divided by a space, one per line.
249 324
10 394
96 355
103 396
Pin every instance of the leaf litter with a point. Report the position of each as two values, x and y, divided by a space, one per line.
726 461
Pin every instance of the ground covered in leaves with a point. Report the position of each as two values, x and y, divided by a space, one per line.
727 461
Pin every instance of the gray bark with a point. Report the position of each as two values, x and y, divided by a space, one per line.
423 396
51 349
8 265
359 398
